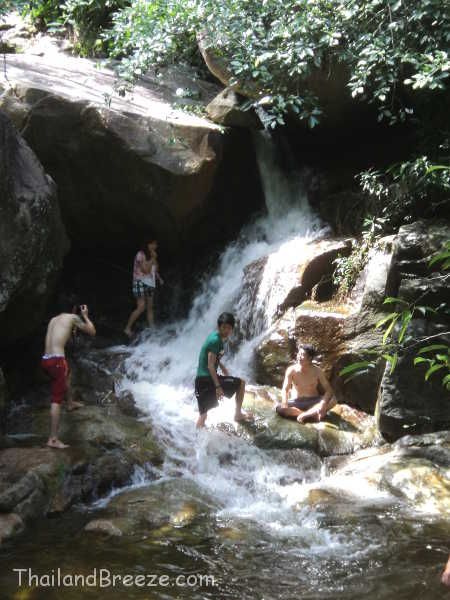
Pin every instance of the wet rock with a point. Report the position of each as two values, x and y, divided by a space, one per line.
406 471
28 477
158 509
103 526
11 525
343 430
32 239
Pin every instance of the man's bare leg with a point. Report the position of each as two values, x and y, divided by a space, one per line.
53 441
288 412
201 420
239 414
71 404
318 411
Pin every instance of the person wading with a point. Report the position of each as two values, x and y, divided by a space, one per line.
145 274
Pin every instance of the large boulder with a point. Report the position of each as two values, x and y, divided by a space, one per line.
127 166
343 430
407 403
413 471
226 110
32 238
343 332
328 82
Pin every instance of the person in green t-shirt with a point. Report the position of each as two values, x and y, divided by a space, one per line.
211 387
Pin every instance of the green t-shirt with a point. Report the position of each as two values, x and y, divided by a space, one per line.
214 344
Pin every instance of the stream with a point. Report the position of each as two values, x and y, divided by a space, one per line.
263 523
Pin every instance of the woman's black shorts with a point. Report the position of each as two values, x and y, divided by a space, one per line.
205 391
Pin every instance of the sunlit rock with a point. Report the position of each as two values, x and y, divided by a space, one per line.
226 110
415 470
343 430
176 170
103 526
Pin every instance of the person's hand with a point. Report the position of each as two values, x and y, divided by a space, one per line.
161 281
84 310
219 393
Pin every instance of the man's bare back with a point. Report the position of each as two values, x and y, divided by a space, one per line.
53 362
60 330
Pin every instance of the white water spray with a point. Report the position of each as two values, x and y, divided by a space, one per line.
248 483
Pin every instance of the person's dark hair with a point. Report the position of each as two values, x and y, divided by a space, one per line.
226 318
145 249
309 349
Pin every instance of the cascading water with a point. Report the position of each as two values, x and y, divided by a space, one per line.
267 523
162 368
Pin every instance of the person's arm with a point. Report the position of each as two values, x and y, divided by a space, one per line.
213 373
329 393
287 384
445 578
223 368
84 324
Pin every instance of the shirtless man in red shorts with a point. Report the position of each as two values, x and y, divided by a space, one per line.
54 364
304 376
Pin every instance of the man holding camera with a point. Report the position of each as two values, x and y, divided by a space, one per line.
54 363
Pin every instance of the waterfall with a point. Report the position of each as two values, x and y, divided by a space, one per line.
161 369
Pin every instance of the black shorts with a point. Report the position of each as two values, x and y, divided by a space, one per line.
205 391
142 290
304 402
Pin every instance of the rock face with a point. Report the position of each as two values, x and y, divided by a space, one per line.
32 238
226 110
132 165
343 430
339 332
407 403
414 470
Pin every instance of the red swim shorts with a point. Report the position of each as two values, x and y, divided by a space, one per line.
56 367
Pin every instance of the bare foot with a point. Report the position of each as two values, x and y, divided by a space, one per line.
303 418
243 416
74 406
128 332
55 443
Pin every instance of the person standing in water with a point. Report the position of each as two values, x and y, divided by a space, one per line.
305 377
211 387
145 274
54 363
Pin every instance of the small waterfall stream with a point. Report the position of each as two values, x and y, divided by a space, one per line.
265 523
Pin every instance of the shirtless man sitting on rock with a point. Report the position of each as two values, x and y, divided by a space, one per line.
309 405
54 363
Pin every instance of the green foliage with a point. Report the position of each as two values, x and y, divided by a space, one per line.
348 267
391 49
408 190
85 19
436 357
42 12
7 6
